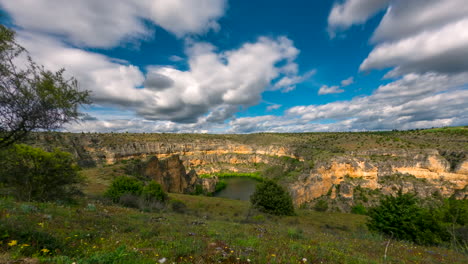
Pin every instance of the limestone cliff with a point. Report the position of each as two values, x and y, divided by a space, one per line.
172 176
368 159
374 169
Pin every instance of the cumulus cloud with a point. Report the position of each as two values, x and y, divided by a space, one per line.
347 82
104 24
273 107
351 12
214 87
415 36
442 50
325 89
413 101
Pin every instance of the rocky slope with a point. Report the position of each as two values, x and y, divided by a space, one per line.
331 165
172 176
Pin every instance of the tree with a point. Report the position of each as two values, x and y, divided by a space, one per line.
31 97
401 217
34 174
269 197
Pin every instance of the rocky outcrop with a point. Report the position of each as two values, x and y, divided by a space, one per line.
372 169
172 176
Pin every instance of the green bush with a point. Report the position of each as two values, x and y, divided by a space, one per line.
34 174
154 192
321 206
124 185
359 209
178 206
269 197
402 218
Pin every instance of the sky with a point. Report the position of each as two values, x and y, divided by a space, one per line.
245 66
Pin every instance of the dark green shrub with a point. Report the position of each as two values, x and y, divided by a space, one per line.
123 185
154 192
220 185
321 206
271 198
402 218
359 209
178 206
34 174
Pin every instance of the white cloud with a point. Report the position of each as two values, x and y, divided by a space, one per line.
273 107
347 82
175 58
104 24
325 89
441 50
352 12
288 83
406 103
407 18
213 88
416 36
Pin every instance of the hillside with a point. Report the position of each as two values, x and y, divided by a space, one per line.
342 168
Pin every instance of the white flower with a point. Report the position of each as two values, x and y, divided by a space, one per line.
162 260
304 260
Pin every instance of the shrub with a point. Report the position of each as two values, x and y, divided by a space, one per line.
321 206
123 185
154 192
271 198
402 218
359 209
178 206
34 174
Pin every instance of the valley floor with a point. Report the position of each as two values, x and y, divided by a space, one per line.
208 230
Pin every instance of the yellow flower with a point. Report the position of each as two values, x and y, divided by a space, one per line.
273 255
45 250
24 245
41 224
13 243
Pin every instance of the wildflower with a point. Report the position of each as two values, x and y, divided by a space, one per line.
163 260
304 260
248 260
13 243
45 250
41 224
273 255
24 245
232 251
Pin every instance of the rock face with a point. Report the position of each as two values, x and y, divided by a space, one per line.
172 176
336 174
423 172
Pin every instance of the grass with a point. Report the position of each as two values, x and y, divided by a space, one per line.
211 230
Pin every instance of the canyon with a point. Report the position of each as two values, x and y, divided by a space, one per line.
330 165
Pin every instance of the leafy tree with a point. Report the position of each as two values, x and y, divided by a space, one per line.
401 217
124 185
269 197
154 191
31 97
34 174
321 206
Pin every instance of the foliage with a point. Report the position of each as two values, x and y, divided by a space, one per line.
402 218
124 185
154 192
359 209
321 206
220 185
31 97
178 206
34 174
269 197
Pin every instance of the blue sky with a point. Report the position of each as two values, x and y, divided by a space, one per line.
219 66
